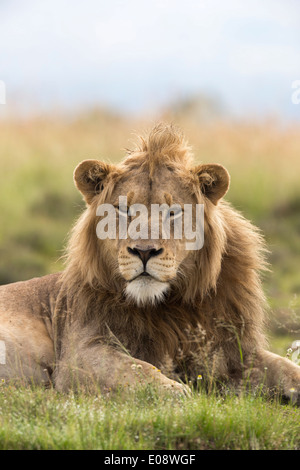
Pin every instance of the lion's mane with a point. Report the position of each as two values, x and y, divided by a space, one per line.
219 290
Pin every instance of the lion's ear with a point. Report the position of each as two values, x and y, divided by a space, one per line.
214 181
89 176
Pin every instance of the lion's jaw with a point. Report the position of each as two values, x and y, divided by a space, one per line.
146 290
147 284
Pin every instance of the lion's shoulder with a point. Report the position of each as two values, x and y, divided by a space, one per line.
35 292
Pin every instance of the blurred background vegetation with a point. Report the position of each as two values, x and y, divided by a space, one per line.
39 203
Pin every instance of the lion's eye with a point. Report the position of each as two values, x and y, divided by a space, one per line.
174 213
122 210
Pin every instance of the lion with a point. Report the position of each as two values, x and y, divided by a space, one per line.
124 307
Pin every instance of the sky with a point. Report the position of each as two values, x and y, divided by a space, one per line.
136 55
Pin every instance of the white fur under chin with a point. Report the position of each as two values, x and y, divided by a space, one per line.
146 290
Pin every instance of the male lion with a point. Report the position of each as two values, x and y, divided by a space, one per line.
124 307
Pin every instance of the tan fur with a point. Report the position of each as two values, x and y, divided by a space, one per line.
99 323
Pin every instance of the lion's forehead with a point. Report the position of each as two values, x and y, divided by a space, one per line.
144 188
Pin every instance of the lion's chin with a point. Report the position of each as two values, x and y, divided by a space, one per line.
146 290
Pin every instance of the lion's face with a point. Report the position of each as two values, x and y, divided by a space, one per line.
149 265
150 258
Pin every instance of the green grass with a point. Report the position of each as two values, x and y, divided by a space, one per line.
44 419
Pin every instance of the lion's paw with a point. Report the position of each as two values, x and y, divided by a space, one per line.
177 388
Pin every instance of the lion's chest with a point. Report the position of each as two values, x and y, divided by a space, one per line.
161 337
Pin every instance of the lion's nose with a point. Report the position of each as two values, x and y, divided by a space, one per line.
144 255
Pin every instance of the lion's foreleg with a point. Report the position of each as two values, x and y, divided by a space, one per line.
105 368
